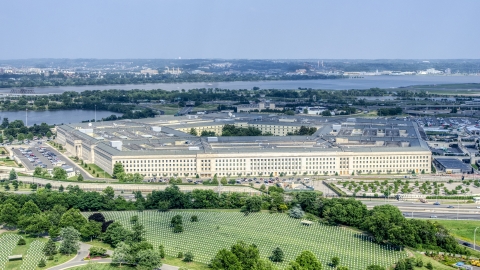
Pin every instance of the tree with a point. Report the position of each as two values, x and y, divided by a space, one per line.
70 243
137 233
429 266
12 175
248 255
80 178
335 261
252 204
225 259
49 134
375 267
178 228
118 168
91 230
21 242
115 234
194 218
50 248
121 253
161 251
61 188
29 209
188 257
109 193
98 217
296 212
307 260
59 173
277 255
97 251
9 215
73 218
54 232
42 263
193 132
148 259
134 219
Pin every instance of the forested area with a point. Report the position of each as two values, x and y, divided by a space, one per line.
131 78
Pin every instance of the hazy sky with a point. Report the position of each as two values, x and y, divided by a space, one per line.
370 29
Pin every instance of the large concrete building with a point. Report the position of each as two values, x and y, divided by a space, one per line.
162 146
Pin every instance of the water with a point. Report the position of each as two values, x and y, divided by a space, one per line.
331 84
55 117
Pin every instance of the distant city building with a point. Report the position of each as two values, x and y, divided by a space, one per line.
172 71
149 71
259 106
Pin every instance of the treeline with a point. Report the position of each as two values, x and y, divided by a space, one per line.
304 131
389 111
232 130
129 78
385 223
18 130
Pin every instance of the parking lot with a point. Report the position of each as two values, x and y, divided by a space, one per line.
42 155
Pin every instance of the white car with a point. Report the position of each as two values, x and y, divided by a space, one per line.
478 207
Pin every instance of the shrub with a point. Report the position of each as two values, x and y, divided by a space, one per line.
180 255
161 251
296 212
178 228
188 257
97 251
42 263
21 242
194 218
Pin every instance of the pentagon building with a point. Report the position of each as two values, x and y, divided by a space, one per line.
162 146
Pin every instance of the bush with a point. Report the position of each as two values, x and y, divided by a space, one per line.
21 242
97 251
42 263
194 219
161 251
180 255
188 257
296 212
178 228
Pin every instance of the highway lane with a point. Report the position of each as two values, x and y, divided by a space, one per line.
434 216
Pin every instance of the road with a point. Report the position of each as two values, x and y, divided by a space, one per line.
427 210
83 252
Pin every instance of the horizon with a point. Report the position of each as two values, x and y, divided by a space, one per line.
248 29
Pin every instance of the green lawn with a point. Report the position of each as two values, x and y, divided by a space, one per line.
462 229
425 259
24 250
220 229
100 266
168 109
101 173
8 162
205 107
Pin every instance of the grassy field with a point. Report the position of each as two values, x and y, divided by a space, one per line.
425 259
101 173
216 230
32 248
100 266
168 109
462 229
205 107
8 162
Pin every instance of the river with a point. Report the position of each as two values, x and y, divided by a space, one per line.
330 84
55 117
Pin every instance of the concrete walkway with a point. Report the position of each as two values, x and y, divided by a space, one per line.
83 252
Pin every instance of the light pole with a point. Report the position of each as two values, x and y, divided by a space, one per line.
26 117
95 113
474 232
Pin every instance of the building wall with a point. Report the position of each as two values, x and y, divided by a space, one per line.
276 130
276 164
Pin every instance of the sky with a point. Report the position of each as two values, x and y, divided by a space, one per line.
240 29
